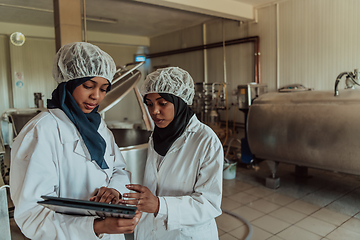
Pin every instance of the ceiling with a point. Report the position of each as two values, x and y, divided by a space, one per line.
130 17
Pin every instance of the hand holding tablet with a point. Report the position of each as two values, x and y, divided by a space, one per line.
87 208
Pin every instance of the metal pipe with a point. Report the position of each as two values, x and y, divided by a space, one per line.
9 71
202 47
254 39
205 55
255 64
258 60
213 87
224 49
277 47
349 75
84 10
28 8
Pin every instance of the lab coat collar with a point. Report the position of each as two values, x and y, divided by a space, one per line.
68 132
67 129
192 126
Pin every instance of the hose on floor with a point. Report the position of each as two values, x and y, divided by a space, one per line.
248 237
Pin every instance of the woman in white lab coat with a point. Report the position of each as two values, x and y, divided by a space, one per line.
68 151
182 188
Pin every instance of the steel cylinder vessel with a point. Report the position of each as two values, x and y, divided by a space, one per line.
311 128
133 145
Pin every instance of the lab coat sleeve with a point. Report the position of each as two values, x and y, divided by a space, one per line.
34 163
162 208
204 203
120 176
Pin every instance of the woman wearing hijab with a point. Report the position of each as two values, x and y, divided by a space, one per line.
68 151
182 188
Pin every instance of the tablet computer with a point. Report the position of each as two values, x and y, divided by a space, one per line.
87 208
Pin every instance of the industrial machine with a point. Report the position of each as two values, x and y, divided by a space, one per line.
246 94
209 99
307 128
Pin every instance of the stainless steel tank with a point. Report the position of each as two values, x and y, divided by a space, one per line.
311 129
13 120
133 145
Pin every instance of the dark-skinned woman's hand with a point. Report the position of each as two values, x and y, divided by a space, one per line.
116 225
107 195
143 199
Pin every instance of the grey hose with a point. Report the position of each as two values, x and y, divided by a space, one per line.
229 145
248 237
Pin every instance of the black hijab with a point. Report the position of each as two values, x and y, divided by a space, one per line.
165 137
86 123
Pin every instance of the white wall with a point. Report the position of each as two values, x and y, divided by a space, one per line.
31 70
192 62
317 40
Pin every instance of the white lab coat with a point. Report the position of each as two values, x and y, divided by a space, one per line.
49 157
188 182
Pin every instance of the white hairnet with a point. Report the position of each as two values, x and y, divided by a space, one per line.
172 80
81 59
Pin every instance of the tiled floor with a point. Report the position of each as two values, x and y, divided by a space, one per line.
325 205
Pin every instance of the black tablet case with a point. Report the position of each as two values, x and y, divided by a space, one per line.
87 208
